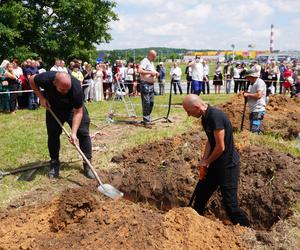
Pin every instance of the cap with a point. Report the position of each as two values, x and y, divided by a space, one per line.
161 63
252 72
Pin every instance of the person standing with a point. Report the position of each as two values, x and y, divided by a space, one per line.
63 94
205 78
220 164
161 78
148 76
256 97
13 85
197 75
236 77
228 75
218 78
176 76
98 84
4 98
188 72
274 73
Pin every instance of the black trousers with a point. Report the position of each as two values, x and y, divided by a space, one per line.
54 131
176 83
225 177
13 97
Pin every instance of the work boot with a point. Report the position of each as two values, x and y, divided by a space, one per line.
54 169
87 171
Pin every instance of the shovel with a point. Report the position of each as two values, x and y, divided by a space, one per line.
105 189
244 111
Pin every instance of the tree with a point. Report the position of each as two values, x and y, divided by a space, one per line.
62 28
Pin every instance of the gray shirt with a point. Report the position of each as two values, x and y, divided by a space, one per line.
259 104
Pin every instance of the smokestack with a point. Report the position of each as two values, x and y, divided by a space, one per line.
272 39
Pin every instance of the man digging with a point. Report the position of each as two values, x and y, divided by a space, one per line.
219 166
63 94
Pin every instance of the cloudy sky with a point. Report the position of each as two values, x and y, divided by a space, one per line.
213 24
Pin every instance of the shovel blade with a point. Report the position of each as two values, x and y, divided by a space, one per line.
110 191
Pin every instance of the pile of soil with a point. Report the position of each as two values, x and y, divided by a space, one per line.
282 115
112 225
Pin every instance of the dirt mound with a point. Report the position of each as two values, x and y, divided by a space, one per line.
74 205
269 186
167 174
282 115
115 225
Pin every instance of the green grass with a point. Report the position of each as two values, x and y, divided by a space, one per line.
24 139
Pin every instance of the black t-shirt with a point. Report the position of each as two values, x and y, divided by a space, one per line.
73 99
212 120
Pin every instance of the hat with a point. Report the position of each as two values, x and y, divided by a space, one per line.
161 63
252 72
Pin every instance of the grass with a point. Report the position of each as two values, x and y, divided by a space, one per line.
24 139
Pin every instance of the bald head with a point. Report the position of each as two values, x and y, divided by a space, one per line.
151 55
62 82
194 105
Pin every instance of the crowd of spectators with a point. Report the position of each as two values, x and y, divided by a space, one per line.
99 82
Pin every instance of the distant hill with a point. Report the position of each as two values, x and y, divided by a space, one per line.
136 54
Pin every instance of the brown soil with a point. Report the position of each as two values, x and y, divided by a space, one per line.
282 115
158 180
91 221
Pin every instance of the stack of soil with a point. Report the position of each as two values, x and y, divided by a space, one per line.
282 115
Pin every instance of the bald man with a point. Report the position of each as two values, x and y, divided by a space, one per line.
63 94
219 166
148 77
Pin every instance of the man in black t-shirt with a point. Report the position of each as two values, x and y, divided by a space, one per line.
63 93
219 166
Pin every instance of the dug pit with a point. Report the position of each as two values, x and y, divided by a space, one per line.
164 174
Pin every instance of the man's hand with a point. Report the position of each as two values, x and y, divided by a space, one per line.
44 102
202 169
73 139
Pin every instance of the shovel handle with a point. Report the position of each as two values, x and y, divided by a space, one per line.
76 146
244 111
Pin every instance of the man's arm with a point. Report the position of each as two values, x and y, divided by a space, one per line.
219 135
145 72
255 96
191 63
77 117
38 92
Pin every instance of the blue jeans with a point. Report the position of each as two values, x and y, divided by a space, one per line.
147 95
256 119
228 86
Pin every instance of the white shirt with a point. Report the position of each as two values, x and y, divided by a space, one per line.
236 73
123 71
177 72
55 68
260 104
147 66
197 71
18 71
206 70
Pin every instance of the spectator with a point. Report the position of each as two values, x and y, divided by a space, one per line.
228 76
281 78
129 78
98 84
57 66
197 75
296 88
77 73
236 77
87 81
22 97
4 98
256 97
109 81
13 85
188 72
176 76
243 81
63 66
218 78
205 78
161 78
148 77
273 74
288 79
33 102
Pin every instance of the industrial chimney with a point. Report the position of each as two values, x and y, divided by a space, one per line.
272 39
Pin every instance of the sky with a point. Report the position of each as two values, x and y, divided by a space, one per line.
213 24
